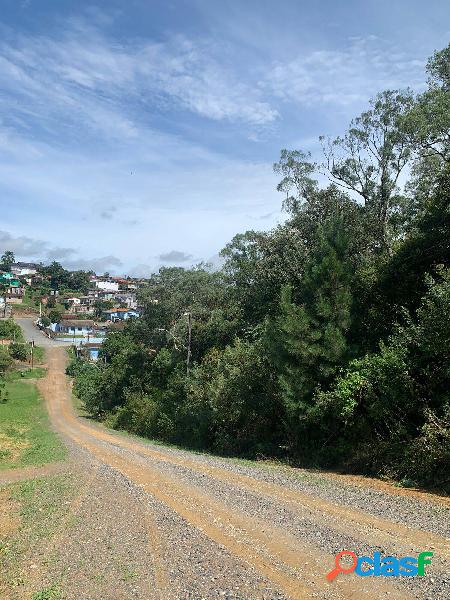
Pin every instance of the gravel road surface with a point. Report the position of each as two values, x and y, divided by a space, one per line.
31 332
155 522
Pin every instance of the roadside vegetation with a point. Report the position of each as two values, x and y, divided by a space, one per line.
324 342
33 510
25 436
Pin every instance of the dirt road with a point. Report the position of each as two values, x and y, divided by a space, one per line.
32 333
197 526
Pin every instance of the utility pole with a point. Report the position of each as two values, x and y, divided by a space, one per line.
32 354
188 357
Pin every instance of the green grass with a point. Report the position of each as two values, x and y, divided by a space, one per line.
49 593
29 300
40 501
36 373
25 435
38 355
40 505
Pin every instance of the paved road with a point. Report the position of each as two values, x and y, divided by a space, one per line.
31 332
202 527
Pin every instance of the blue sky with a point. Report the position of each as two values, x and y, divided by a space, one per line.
142 133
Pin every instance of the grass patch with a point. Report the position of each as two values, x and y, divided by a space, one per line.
41 503
36 373
38 507
38 355
49 593
25 435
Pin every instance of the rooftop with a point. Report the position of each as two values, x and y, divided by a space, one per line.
77 323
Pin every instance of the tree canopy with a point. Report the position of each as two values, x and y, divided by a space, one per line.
325 340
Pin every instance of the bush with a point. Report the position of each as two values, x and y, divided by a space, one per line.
427 458
235 391
10 330
3 392
55 315
19 351
6 359
388 413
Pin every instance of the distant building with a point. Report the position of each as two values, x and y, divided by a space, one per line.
75 326
73 301
120 314
13 286
127 298
23 268
107 286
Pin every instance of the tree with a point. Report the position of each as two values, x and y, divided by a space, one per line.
307 341
236 394
298 182
428 120
257 264
389 410
5 359
368 160
7 260
102 305
45 321
55 315
19 351
401 281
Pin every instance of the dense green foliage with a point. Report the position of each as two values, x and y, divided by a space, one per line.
9 330
324 341
64 280
19 351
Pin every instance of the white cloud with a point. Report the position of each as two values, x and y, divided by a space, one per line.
99 265
90 78
344 77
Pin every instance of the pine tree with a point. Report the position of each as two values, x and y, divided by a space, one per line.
308 340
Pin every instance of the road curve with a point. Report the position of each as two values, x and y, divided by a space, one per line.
284 532
32 333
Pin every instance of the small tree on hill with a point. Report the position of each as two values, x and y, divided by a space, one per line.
7 260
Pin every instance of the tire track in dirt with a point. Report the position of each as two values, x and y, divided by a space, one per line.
296 567
368 528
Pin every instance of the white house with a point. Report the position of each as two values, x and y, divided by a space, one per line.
21 268
75 327
107 286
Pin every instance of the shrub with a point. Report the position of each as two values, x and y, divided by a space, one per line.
6 359
428 455
19 351
238 393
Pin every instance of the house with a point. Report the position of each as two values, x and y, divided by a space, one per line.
73 301
127 298
89 350
75 327
120 314
23 268
107 286
13 286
